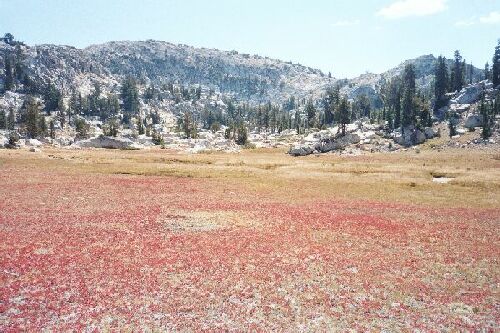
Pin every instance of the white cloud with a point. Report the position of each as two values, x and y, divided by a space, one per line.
491 18
407 8
346 23
466 22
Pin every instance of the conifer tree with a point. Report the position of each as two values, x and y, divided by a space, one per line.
32 118
343 111
42 126
52 129
484 110
130 97
457 73
297 120
409 91
441 82
11 119
496 66
3 120
9 75
311 114
487 71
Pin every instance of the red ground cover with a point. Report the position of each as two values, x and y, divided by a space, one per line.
93 252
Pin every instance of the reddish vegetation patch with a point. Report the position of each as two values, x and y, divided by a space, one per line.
91 252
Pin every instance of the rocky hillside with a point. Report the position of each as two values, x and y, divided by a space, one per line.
245 77
369 83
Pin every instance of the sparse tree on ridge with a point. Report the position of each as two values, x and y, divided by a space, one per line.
457 73
343 111
9 75
441 82
11 119
496 66
311 114
409 92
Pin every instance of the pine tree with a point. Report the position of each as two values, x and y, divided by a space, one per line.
409 91
130 97
297 120
11 120
457 73
484 110
62 112
343 111
32 118
441 82
42 126
311 114
496 66
471 73
487 71
140 127
9 75
3 120
51 97
8 38
52 129
82 128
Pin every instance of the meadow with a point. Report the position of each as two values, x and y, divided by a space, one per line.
157 240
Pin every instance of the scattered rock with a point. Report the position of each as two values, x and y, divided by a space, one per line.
430 132
301 151
474 121
108 143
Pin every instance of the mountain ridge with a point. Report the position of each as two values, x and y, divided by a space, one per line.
249 78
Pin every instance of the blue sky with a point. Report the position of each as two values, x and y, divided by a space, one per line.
346 37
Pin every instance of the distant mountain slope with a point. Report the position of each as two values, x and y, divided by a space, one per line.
245 77
369 83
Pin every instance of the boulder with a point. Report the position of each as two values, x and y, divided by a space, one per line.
33 143
338 143
429 132
301 151
34 150
461 108
3 141
108 143
474 121
441 113
411 136
419 137
470 94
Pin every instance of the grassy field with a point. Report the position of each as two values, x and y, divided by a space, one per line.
163 241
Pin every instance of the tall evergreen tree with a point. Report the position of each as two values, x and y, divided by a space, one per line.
297 120
3 120
441 82
52 97
311 114
409 91
496 66
11 119
487 71
343 114
485 111
457 73
52 129
394 99
32 118
9 75
130 97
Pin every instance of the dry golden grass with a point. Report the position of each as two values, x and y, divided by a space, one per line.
397 177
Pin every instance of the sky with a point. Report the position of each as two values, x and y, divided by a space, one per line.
344 37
